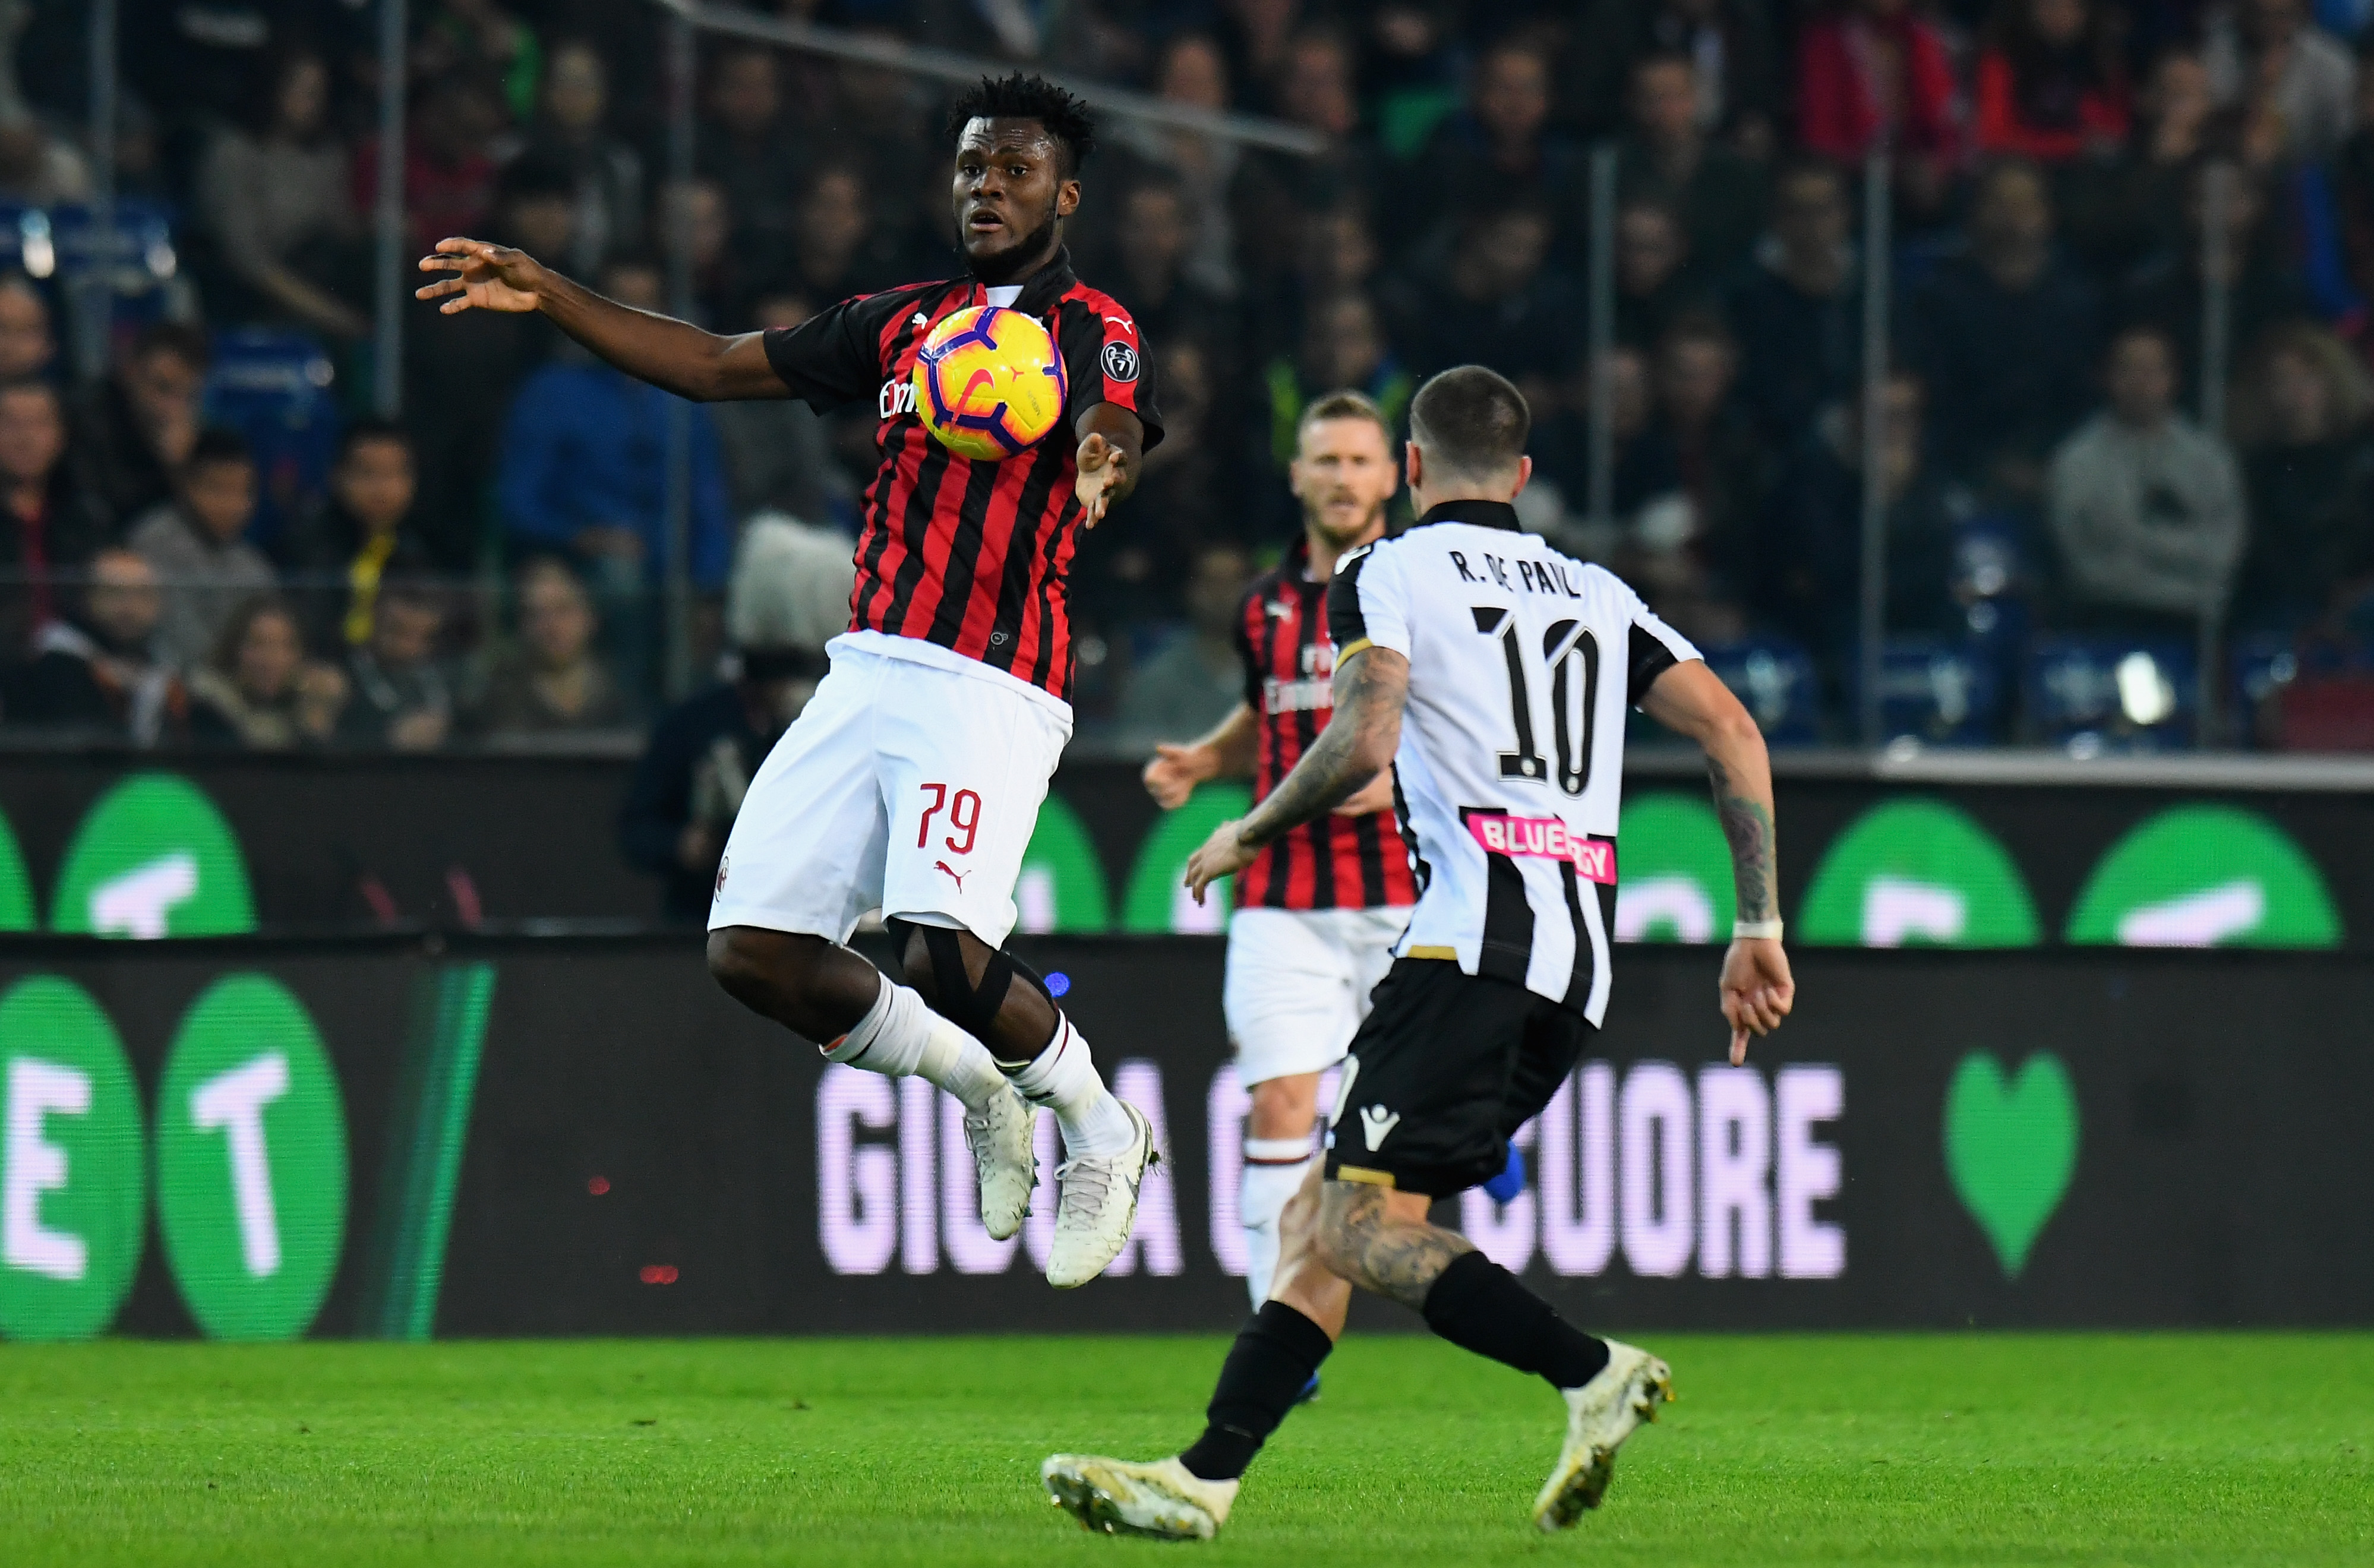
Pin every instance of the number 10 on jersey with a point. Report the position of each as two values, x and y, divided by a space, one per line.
1569 658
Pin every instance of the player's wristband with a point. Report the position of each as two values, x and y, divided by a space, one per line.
1755 931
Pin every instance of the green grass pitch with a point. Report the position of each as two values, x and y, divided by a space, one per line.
2210 1449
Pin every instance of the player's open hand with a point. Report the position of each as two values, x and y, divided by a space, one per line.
491 277
1376 795
1756 990
1100 472
1175 771
1222 854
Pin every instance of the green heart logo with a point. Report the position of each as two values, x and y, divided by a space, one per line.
2010 1148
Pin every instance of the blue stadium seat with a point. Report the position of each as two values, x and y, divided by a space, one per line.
1939 693
1776 679
2258 668
2112 693
55 245
273 386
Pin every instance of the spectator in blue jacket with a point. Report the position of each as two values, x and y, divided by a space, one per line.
584 464
584 471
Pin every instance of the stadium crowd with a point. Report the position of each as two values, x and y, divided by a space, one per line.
487 566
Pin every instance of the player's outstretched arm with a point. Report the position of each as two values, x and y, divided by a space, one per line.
1112 449
671 355
1225 753
1758 991
1372 687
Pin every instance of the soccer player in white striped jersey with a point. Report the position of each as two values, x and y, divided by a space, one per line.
1492 674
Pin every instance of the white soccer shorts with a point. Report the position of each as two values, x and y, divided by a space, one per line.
1298 982
908 783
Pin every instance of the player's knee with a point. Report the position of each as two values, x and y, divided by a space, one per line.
1299 1221
757 968
730 963
1284 1107
962 978
1333 1234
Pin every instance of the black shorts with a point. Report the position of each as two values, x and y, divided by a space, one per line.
1446 1067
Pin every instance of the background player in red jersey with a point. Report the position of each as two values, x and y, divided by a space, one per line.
913 778
1317 913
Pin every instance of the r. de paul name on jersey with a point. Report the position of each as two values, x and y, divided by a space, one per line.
1534 577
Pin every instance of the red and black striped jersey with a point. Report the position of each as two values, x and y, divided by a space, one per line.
967 553
1333 862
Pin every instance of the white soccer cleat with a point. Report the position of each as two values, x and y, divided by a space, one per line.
1003 1158
1115 1497
1097 1205
1599 1416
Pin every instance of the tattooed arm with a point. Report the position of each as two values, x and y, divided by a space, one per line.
1757 988
1743 806
1359 742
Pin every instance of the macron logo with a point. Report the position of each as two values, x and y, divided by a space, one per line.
1377 1124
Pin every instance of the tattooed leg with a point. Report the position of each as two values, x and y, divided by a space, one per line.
1392 1255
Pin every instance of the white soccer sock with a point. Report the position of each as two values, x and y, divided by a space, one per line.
901 1036
1063 1079
1273 1171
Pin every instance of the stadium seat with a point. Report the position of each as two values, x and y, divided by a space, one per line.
1776 679
2093 693
273 386
2303 696
54 246
2258 668
1939 692
2327 713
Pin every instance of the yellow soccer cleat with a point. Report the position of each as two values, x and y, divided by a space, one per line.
1600 1416
1116 1497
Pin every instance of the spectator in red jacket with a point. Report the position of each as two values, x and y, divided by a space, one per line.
1872 68
449 172
2050 83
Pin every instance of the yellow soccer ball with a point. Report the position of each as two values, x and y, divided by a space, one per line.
988 382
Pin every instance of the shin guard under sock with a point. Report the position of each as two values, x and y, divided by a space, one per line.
1480 1306
1268 1367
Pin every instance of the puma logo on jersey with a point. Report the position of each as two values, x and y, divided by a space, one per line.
1377 1124
919 319
1282 609
958 875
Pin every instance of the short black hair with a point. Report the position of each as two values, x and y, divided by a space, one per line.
218 443
1018 97
536 175
183 341
372 428
1471 421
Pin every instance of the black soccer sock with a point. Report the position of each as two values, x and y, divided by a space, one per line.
1268 1369
1478 1306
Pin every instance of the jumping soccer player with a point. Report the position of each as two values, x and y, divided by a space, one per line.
913 778
1492 674
1319 907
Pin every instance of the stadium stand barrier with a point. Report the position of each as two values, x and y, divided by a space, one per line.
537 1133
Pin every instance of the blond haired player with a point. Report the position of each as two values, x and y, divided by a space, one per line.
1318 910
